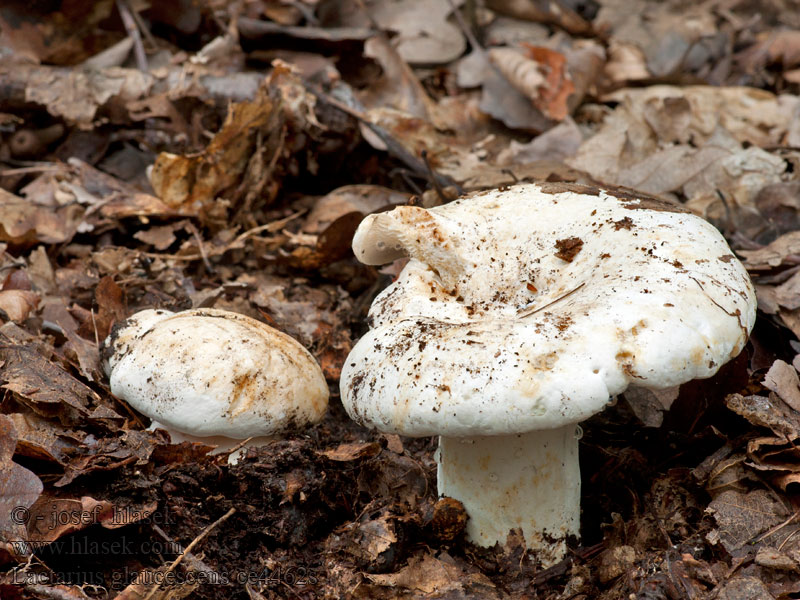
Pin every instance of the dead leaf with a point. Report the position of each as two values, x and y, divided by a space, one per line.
439 576
18 304
46 388
190 184
43 440
362 198
24 223
745 588
774 254
783 380
553 99
353 451
774 559
745 518
556 13
616 561
19 489
767 412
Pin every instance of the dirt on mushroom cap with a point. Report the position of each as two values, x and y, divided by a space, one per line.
503 335
212 372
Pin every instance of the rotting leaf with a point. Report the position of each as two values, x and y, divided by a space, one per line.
783 380
568 248
439 576
353 451
19 489
41 439
46 388
767 412
746 520
190 184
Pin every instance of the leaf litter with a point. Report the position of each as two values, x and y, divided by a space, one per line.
222 154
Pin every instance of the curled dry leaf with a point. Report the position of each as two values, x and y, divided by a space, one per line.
18 304
190 184
559 86
523 73
540 74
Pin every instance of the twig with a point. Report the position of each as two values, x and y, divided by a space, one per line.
200 245
522 313
432 175
193 562
133 31
189 548
271 227
237 447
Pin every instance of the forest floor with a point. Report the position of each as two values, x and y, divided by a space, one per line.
181 154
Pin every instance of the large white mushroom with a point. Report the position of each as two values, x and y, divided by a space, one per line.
522 312
214 376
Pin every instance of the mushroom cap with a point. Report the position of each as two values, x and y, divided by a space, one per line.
210 372
530 307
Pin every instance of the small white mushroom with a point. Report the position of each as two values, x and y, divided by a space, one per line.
214 376
522 312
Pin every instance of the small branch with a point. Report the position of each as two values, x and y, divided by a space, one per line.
133 31
191 547
526 312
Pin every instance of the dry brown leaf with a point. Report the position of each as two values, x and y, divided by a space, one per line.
25 223
353 451
46 388
439 576
626 63
19 489
782 250
553 98
18 304
768 412
43 440
190 184
499 98
692 141
668 36
744 588
361 198
423 34
781 47
523 73
398 86
783 380
744 518
540 11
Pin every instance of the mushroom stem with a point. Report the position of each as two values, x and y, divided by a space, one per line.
529 481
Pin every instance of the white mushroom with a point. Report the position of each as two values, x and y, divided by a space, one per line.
522 312
214 376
